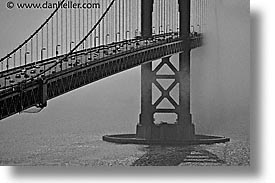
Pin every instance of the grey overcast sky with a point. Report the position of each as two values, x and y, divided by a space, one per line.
220 75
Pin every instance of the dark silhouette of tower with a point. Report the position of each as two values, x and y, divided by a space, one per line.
182 129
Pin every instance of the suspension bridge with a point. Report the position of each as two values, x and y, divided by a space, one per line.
77 46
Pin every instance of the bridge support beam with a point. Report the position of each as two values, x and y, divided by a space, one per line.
147 76
43 93
182 129
146 18
186 129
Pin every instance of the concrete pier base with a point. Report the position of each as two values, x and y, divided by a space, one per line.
165 131
165 134
133 139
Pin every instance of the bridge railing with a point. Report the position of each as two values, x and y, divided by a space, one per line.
84 57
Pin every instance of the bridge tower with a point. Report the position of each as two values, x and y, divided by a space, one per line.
182 129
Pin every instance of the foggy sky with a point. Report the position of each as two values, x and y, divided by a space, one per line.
219 84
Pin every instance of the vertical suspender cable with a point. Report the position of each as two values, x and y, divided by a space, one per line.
193 14
112 23
42 41
83 24
155 18
169 16
56 29
66 29
100 24
135 15
164 16
20 60
95 16
61 32
52 39
36 48
87 43
138 15
109 20
56 48
177 5
202 20
14 64
91 36
207 13
196 15
172 14
103 21
160 16
79 23
26 49
32 50
200 16
115 30
75 26
47 47
198 26
130 18
119 20
123 4
126 18
159 8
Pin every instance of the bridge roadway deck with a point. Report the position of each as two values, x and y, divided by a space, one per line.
81 68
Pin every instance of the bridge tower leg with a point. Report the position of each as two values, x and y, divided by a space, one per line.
183 129
186 129
144 128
